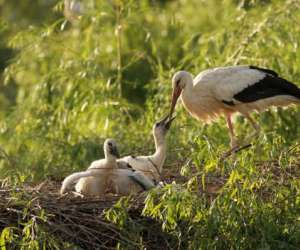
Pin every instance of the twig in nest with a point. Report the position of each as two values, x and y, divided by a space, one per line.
79 221
294 147
234 150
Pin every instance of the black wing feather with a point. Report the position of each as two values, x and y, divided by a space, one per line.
137 181
269 86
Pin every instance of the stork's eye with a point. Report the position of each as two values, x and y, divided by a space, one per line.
110 144
177 82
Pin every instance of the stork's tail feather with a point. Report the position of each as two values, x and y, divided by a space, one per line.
290 88
296 91
298 95
71 179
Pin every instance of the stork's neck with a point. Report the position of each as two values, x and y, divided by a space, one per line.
160 152
110 160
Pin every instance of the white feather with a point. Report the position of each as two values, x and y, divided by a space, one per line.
100 164
71 179
116 181
204 98
141 163
223 83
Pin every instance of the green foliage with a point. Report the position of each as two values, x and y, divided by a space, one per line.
68 86
28 233
119 215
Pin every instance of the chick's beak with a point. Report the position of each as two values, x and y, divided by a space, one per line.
169 122
166 122
114 151
175 95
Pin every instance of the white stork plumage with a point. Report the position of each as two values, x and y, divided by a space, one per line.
105 176
95 181
151 165
226 90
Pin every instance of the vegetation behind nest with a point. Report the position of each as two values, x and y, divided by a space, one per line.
68 85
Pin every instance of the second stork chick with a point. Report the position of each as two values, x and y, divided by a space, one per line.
152 165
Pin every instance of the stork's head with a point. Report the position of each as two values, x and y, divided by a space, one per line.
179 82
161 127
110 149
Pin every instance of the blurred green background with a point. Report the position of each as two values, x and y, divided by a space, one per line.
68 81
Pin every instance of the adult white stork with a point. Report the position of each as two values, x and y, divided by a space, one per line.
226 90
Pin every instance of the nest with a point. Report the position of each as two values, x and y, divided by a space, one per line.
76 220
81 222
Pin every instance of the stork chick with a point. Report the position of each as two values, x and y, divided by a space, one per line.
104 176
96 179
152 165
226 90
130 181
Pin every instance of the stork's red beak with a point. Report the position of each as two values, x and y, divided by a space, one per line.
175 95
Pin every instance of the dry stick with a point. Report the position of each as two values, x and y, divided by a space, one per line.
88 232
235 150
91 219
243 147
294 147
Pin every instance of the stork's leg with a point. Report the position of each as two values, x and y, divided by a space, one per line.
233 140
256 127
234 143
